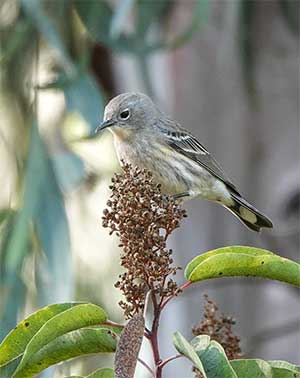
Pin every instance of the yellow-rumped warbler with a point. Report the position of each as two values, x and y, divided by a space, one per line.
146 138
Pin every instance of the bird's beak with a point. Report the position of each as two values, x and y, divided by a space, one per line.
104 125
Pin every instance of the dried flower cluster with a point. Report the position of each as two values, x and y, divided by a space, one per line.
219 328
143 219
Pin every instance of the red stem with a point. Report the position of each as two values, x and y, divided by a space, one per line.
167 360
147 367
181 288
154 336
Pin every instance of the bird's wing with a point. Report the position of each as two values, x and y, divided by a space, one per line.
186 144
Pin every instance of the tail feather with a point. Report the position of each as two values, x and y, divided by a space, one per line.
247 214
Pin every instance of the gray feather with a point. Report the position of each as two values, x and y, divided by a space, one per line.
185 143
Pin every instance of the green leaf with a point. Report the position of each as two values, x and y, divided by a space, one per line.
243 261
53 232
187 350
16 341
83 96
252 368
213 358
17 245
7 370
283 369
262 369
76 317
102 373
70 345
147 13
36 12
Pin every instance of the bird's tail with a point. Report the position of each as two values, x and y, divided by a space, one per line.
247 214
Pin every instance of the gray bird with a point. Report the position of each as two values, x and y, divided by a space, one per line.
147 138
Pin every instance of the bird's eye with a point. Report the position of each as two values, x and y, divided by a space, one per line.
125 114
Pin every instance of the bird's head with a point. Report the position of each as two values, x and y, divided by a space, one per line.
127 113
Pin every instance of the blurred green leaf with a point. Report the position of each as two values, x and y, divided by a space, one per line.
70 345
69 170
147 13
16 247
187 350
97 20
54 278
37 14
5 214
243 261
16 341
81 315
83 96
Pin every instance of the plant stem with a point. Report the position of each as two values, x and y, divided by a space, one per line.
112 324
181 288
167 360
147 367
154 336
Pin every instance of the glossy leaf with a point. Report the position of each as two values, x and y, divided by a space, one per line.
70 345
243 261
187 350
76 317
16 341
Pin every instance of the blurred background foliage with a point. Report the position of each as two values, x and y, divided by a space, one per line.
59 62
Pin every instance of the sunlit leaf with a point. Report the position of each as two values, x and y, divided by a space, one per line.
70 345
76 317
243 261
187 350
16 341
